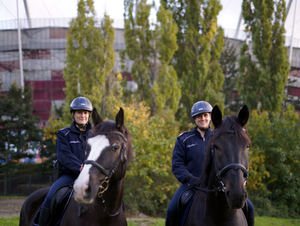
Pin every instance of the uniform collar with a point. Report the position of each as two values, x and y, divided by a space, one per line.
74 128
206 133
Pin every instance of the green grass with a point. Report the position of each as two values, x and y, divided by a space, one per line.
14 221
151 221
265 221
259 221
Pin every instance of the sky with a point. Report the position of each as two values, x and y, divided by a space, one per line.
228 17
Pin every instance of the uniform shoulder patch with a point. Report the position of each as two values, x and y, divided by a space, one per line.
65 130
180 135
187 137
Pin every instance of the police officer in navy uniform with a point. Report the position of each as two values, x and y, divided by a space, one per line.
188 159
70 149
188 156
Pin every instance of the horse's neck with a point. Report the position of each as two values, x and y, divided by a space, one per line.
217 203
113 197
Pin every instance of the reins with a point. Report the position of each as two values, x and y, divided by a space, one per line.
108 173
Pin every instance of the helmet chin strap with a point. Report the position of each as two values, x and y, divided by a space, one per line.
80 126
202 129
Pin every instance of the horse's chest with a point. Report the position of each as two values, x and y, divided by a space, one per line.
204 212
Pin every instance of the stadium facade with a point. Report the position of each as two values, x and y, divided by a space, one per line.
44 54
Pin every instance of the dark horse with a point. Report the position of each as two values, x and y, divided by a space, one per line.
100 185
222 194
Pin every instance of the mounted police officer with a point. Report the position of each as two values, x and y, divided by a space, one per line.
70 149
188 158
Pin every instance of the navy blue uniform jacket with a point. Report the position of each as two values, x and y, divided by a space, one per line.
189 153
70 149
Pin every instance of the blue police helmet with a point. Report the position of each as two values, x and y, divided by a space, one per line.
200 107
81 103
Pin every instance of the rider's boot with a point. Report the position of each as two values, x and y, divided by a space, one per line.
44 217
171 222
248 210
250 220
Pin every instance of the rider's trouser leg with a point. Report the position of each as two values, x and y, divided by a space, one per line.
248 210
173 217
44 217
62 181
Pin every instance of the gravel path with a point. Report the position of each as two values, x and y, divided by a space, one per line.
10 207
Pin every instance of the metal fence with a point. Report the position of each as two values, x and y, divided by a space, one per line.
24 185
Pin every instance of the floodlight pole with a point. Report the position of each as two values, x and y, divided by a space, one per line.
27 14
288 7
238 26
20 49
292 38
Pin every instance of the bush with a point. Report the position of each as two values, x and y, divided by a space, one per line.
274 163
150 183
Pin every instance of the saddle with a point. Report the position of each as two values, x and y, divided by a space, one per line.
58 205
60 201
184 203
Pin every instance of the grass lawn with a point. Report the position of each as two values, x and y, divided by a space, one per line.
264 221
14 221
259 221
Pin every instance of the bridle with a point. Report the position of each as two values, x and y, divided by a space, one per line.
220 173
109 172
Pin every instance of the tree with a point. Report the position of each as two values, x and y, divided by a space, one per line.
262 79
90 58
274 155
151 48
19 130
228 62
200 43
150 183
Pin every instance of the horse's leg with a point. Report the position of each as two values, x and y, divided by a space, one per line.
31 206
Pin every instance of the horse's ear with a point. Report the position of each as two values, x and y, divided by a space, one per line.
120 120
243 115
216 116
96 117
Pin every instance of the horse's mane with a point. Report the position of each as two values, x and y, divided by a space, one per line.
108 126
229 123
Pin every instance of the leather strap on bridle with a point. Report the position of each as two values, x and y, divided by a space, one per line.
108 173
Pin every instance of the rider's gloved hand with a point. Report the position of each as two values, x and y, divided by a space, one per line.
193 181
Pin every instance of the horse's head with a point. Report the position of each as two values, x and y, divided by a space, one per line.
109 149
229 146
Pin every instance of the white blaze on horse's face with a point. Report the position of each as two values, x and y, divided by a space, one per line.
97 144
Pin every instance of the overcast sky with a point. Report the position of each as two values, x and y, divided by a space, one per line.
228 17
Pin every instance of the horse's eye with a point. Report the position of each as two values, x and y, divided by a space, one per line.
115 147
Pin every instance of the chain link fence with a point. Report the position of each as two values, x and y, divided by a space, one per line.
23 185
